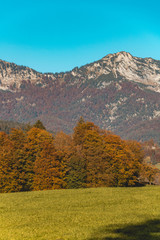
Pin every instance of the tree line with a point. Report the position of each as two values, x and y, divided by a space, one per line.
91 157
6 126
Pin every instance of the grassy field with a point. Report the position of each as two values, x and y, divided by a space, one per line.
90 214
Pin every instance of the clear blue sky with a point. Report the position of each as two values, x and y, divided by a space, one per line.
57 35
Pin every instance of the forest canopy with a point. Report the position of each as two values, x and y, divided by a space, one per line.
34 159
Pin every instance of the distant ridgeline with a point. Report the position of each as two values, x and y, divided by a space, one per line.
91 157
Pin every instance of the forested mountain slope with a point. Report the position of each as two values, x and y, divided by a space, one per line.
120 93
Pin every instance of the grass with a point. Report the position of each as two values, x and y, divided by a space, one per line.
90 214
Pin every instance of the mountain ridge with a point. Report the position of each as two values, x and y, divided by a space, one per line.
29 73
116 92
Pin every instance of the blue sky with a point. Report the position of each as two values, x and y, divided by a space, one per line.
55 36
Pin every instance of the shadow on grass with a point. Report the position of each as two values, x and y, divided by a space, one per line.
149 230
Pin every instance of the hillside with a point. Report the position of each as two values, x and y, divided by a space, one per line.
120 93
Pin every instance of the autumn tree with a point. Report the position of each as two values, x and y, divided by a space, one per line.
97 163
64 145
80 130
36 138
48 169
12 162
6 150
126 160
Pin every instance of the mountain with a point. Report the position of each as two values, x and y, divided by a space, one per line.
120 93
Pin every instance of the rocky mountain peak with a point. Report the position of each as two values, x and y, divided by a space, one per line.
12 75
142 70
118 56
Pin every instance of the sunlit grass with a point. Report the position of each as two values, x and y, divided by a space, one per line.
76 214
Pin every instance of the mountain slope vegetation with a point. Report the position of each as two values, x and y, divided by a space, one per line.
119 92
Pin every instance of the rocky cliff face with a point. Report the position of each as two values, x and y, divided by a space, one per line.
119 92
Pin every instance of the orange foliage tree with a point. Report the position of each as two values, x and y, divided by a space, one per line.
48 169
12 162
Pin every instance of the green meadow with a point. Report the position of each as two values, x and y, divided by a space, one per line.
90 214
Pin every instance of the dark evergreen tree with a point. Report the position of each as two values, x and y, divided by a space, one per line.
39 124
77 175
